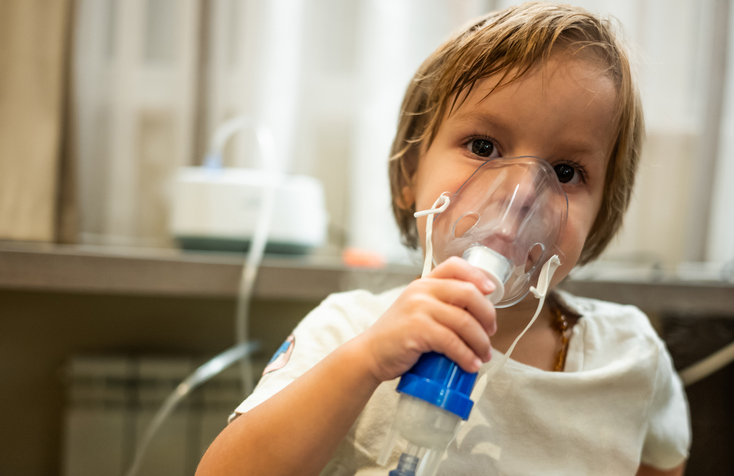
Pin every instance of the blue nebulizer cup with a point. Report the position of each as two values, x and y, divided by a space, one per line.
506 220
434 401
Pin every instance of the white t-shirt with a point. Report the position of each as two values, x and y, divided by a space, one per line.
617 403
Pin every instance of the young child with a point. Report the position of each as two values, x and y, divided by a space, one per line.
602 397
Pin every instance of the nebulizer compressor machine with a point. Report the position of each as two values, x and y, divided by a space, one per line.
506 220
217 208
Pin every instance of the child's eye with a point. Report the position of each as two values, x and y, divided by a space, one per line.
484 148
568 174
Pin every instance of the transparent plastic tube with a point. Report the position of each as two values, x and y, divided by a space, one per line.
705 367
249 274
205 372
270 164
243 348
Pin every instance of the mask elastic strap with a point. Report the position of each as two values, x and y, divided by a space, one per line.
546 275
444 201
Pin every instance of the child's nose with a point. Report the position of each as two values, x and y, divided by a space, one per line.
514 200
520 191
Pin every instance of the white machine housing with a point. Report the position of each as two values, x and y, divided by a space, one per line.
217 209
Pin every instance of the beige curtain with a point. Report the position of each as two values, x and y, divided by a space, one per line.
33 58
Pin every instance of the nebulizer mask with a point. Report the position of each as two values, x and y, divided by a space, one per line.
506 219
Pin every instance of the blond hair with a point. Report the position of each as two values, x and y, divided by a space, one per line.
510 42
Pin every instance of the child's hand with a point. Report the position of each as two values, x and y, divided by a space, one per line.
446 312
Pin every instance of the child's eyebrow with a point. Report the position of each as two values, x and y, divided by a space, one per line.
483 118
581 150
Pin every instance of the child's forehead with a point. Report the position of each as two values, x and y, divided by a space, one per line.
557 70
567 104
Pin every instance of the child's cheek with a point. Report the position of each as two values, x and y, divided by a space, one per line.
572 243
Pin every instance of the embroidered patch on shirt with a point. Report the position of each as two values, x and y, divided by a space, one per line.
282 355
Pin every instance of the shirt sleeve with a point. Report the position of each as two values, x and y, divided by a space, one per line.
668 436
336 320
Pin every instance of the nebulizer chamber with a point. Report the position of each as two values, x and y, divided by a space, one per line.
506 220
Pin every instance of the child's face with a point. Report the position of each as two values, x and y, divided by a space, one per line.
562 113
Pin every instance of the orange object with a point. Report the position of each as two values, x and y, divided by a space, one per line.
359 258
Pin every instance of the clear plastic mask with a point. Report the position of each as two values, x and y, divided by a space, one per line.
509 216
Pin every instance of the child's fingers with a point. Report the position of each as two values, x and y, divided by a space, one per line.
466 327
466 296
457 268
453 347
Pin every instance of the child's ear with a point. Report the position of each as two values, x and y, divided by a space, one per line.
407 198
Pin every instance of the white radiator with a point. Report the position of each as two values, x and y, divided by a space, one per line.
111 400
